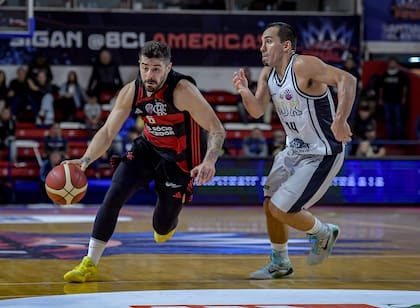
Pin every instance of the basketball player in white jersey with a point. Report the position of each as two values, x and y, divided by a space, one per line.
297 85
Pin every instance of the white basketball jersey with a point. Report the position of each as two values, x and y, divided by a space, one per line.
306 119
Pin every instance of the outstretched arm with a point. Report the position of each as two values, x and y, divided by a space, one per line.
103 138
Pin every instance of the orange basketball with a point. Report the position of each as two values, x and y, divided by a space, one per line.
66 184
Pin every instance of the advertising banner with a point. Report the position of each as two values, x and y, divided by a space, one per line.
358 182
196 39
241 181
392 20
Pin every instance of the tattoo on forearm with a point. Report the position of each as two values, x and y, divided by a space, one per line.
85 160
214 144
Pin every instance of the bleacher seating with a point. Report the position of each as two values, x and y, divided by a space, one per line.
227 113
223 102
29 139
221 97
22 170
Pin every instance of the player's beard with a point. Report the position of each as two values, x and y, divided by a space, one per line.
151 85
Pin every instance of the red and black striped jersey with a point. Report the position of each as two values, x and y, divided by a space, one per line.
174 134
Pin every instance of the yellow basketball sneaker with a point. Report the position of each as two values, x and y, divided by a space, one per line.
163 238
85 271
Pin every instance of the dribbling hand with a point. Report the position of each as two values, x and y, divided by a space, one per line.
203 173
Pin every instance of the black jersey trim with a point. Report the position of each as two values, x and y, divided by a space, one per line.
136 93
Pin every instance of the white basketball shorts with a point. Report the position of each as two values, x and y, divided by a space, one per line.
296 181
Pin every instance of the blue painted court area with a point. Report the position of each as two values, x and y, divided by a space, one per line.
73 246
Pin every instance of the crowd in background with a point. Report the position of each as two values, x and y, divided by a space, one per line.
199 5
32 96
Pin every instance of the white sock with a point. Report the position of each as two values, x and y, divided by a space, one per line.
279 247
316 227
280 251
96 249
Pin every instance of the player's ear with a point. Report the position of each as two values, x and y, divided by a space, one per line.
288 45
169 67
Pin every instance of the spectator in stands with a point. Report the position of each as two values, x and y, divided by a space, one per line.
372 88
3 90
8 132
120 144
363 119
255 145
115 150
350 67
55 142
93 112
23 107
38 64
113 100
53 159
393 97
130 125
132 134
279 142
93 117
41 92
71 98
93 121
370 147
105 79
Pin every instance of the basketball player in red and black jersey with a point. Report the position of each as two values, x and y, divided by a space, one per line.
181 142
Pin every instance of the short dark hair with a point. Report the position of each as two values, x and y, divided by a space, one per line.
156 49
285 32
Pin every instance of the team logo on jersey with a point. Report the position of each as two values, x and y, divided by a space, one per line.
177 195
149 108
138 111
299 144
156 108
288 94
287 105
172 185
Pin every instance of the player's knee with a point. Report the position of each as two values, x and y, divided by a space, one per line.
116 196
266 206
276 212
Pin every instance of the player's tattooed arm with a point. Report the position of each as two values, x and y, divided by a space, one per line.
214 145
85 160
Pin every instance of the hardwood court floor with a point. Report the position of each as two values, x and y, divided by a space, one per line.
379 248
